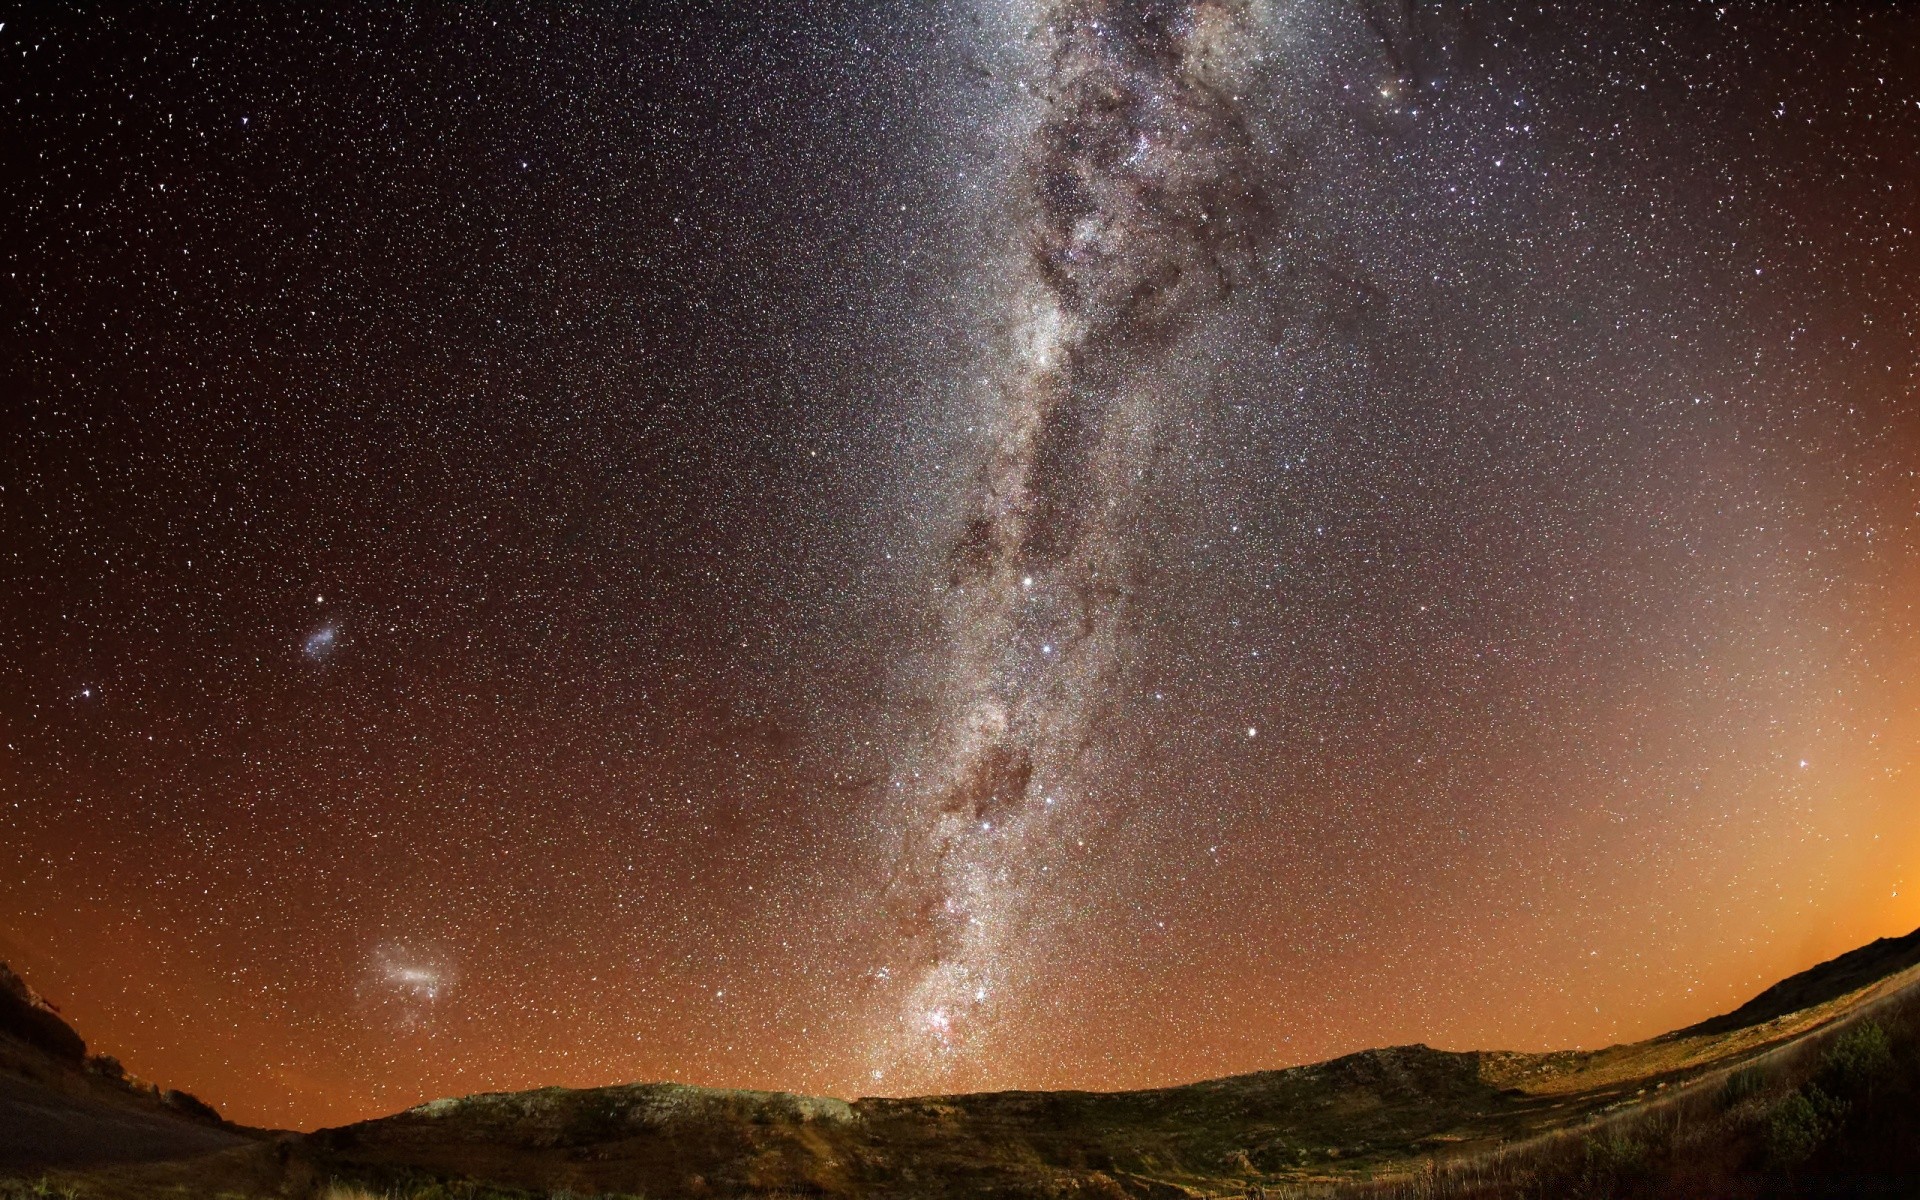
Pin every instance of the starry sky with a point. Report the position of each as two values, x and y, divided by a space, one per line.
878 549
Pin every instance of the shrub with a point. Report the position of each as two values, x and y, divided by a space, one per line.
1800 1123
1858 1060
1611 1160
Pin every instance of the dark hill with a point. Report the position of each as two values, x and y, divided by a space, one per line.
1355 1117
61 1107
670 1139
1817 985
1792 1094
25 1015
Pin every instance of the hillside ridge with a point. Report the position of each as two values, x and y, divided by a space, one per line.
1362 1115
1837 976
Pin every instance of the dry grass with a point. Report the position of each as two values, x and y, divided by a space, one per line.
40 1188
339 1190
1831 1114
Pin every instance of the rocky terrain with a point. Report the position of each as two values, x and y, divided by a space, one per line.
1808 1089
63 1107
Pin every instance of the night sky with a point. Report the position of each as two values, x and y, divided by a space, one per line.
978 544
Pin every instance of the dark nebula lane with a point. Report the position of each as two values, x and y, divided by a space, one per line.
1136 205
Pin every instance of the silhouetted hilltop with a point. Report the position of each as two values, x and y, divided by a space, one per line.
1817 985
26 1015
60 1106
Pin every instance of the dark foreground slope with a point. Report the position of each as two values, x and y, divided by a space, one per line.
1820 1099
60 1106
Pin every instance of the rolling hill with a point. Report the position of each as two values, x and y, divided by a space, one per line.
1807 1089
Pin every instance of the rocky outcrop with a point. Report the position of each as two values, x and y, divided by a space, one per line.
63 1108
25 1014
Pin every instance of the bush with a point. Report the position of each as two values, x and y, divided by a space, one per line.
1800 1123
1611 1161
1858 1060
